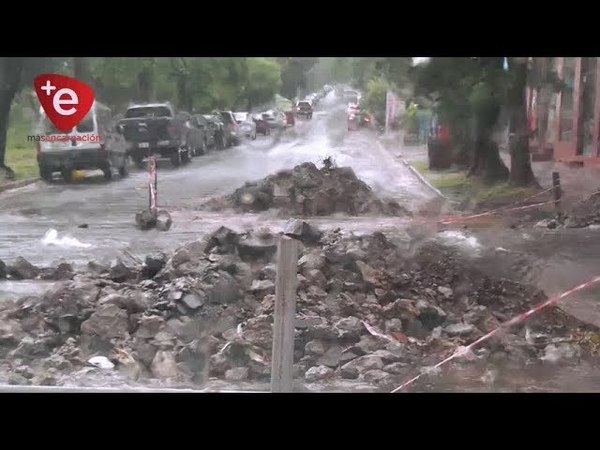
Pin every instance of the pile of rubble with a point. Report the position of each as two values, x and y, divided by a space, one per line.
583 214
309 191
364 312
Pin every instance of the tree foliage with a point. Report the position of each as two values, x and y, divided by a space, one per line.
194 84
470 94
374 98
294 73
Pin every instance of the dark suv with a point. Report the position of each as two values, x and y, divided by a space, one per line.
304 108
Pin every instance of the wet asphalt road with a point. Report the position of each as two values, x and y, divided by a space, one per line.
108 208
558 259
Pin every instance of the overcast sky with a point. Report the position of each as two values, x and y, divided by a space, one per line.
420 60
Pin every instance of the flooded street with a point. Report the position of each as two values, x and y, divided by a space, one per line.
42 223
29 213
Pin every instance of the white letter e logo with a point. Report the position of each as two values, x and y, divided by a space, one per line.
57 102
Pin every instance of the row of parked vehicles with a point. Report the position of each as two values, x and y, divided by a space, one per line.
305 108
101 141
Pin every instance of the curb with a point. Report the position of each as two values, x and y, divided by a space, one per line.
423 179
415 172
17 184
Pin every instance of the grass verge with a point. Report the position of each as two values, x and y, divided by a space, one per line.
455 184
20 154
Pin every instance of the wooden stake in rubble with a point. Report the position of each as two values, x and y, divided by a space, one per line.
285 314
152 217
152 184
557 191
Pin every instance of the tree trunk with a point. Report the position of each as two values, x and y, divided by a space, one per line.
10 75
544 97
183 99
521 173
486 162
145 84
81 70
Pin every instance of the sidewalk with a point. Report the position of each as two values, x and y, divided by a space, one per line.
577 183
9 185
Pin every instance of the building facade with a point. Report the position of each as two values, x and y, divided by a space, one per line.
565 125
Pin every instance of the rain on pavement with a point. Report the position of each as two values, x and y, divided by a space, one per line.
41 222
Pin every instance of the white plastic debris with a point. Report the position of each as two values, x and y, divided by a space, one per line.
375 332
555 353
102 362
466 353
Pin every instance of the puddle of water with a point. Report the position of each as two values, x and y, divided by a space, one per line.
580 377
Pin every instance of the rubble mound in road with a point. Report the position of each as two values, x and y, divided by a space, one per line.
584 213
308 191
364 312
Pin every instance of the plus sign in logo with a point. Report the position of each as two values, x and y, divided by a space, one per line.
65 100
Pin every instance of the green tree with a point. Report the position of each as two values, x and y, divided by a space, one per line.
264 81
469 93
293 74
374 98
521 173
15 73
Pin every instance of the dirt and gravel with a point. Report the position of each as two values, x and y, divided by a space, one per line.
365 312
584 213
309 191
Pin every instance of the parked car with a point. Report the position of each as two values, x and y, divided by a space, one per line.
195 135
304 109
352 109
208 134
152 128
313 99
351 96
290 118
275 119
232 131
217 126
262 126
247 125
95 143
359 119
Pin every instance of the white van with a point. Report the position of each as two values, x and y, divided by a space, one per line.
95 143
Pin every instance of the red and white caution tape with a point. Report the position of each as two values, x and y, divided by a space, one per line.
492 212
449 219
466 350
